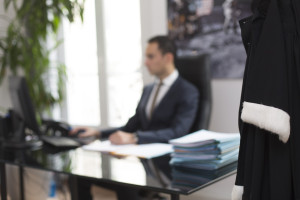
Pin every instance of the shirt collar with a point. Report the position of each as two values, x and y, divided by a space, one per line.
169 80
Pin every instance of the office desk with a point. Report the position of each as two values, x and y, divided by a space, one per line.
152 175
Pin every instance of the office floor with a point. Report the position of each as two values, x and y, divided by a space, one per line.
218 191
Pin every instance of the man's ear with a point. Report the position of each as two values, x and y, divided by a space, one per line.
169 57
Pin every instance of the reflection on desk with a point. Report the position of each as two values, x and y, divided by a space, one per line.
153 174
187 178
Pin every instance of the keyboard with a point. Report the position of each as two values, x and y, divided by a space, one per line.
60 141
63 142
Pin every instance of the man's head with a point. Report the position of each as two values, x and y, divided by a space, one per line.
160 56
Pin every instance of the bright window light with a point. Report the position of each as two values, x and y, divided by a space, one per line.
83 102
122 33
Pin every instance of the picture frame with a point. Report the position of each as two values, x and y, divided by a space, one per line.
210 26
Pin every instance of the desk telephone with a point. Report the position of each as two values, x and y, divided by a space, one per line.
52 132
59 135
55 128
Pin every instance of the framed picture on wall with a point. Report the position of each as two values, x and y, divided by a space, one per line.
210 26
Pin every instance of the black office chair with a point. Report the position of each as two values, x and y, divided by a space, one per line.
196 69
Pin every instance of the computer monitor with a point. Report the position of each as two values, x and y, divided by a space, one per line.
23 113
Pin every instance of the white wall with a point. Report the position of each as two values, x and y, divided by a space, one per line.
226 99
153 22
4 95
225 93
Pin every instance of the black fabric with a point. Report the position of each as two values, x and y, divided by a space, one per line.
267 167
260 5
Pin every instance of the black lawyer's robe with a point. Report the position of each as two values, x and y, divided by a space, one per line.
269 117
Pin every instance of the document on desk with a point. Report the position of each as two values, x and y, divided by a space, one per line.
203 137
142 150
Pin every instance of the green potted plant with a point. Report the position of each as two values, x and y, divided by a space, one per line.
24 51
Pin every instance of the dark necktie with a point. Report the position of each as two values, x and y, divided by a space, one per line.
155 97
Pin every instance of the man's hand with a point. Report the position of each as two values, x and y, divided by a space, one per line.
121 137
87 132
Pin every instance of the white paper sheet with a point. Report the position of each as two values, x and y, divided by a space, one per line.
141 150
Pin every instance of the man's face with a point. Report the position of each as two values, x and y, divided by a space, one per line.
155 61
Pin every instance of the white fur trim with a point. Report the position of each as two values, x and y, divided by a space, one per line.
237 192
269 118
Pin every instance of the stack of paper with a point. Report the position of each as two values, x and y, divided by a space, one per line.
205 150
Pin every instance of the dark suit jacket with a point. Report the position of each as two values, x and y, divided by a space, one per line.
172 118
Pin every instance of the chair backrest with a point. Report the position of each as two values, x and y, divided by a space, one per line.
196 69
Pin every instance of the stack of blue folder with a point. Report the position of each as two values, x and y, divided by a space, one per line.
203 156
205 150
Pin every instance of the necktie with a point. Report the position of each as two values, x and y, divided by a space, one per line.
155 97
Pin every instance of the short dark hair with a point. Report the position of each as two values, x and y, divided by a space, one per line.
165 44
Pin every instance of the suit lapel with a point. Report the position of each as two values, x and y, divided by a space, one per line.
144 102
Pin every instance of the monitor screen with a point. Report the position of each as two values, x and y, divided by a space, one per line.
22 104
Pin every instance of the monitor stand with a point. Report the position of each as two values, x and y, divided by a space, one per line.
18 140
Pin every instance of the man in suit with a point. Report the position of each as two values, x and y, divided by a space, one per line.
166 110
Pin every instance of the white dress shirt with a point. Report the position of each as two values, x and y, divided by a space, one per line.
166 84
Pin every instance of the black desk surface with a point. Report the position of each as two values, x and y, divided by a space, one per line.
153 174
